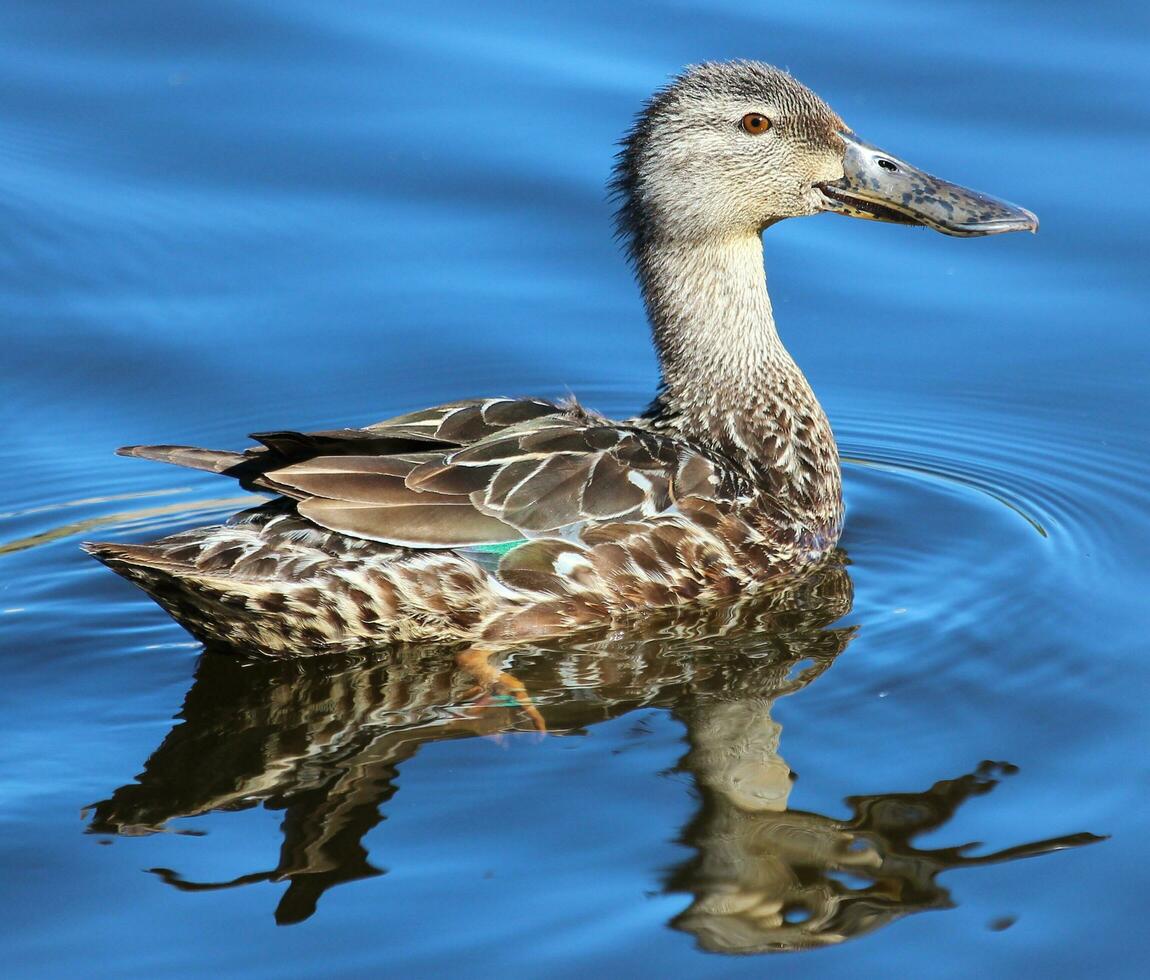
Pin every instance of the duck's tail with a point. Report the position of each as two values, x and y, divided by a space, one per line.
212 460
215 608
125 559
273 583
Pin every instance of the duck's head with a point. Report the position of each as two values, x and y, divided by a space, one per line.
729 148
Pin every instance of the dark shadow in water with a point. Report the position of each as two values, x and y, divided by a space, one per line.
323 741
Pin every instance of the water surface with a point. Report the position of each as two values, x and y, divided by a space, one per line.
234 216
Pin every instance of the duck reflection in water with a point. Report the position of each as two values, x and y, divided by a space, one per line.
323 741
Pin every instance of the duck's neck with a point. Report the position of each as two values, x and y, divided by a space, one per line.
728 382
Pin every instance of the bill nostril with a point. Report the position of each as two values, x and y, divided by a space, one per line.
888 165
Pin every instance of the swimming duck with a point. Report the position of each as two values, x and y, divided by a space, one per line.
496 520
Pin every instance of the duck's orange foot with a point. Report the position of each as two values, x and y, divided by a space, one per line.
491 680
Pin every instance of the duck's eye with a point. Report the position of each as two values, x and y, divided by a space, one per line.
755 123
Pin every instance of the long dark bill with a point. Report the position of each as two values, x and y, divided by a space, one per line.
882 187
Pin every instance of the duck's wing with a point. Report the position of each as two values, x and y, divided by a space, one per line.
475 472
453 425
545 476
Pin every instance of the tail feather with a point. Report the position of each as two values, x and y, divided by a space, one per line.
213 607
212 460
136 562
258 587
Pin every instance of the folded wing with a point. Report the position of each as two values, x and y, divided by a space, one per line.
544 477
472 473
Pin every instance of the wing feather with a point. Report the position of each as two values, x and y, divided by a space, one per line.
476 472
550 497
545 476
506 480
442 477
465 422
415 525
608 492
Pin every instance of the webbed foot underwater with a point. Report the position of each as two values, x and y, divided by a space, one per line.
500 520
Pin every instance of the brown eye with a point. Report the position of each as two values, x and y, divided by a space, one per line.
755 123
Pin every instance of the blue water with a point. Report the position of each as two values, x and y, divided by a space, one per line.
228 217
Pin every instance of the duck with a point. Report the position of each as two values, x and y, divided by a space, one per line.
488 522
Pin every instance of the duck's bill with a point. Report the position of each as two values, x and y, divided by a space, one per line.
881 187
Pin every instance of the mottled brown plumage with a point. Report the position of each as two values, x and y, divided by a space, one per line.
499 520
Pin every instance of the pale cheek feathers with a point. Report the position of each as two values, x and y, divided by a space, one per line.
718 183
